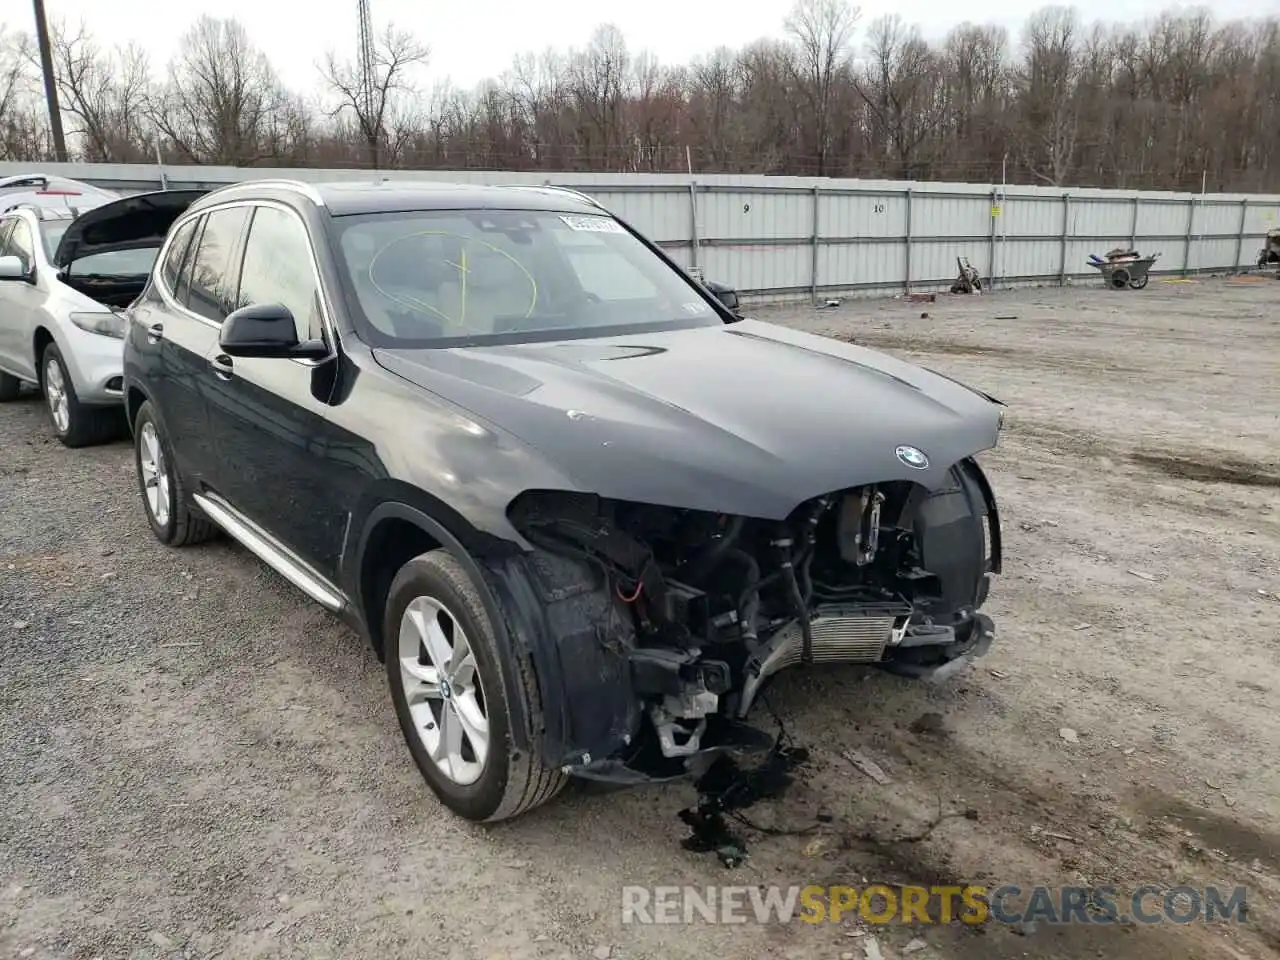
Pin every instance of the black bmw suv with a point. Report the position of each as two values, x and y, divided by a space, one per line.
581 508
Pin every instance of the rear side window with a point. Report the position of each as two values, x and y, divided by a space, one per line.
214 277
174 259
5 227
278 268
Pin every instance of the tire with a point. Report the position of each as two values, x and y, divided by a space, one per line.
74 423
1137 283
502 784
169 513
10 387
1120 278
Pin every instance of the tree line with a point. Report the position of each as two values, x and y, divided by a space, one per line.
1173 103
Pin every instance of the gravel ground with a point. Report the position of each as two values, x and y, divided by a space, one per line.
197 762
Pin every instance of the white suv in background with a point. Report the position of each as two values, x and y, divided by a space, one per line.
71 258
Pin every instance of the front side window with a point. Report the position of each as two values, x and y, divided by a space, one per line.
51 233
213 275
19 244
444 278
278 269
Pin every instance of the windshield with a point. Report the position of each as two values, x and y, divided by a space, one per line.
110 263
115 263
51 232
447 278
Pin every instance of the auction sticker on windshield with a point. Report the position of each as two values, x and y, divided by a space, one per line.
592 224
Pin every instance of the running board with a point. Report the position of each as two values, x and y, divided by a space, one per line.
264 546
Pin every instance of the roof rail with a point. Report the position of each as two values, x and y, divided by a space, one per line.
297 186
42 213
553 188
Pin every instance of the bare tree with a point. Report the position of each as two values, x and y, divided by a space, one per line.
714 104
598 85
1049 76
1153 105
822 31
394 54
900 85
975 69
222 97
104 92
23 134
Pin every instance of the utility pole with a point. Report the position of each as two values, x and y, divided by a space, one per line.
50 84
368 83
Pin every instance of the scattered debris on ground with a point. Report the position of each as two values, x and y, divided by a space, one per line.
867 766
726 790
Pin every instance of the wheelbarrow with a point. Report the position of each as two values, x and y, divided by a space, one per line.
1122 269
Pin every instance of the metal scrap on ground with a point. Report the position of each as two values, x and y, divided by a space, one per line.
866 765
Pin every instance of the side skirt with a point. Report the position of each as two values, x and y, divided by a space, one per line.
271 552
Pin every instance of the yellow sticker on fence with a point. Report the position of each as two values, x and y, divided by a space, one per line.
995 211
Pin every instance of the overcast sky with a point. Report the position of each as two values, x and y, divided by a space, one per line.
474 39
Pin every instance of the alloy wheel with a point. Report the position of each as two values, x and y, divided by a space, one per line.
155 473
55 393
443 691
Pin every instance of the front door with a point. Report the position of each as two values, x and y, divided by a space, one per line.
268 415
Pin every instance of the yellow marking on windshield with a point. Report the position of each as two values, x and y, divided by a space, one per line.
462 268
462 282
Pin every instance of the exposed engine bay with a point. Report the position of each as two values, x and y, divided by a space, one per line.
666 624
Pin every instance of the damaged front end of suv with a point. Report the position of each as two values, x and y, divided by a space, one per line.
652 630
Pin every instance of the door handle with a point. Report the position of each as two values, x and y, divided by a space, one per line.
222 366
155 332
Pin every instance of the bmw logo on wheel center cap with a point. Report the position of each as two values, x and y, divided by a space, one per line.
913 457
445 690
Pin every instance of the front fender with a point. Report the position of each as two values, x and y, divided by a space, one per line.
562 647
522 733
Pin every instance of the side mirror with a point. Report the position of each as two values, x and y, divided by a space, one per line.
726 295
12 268
266 330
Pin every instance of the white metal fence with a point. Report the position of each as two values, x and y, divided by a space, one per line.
785 237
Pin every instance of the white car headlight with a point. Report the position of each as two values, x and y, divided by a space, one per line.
105 323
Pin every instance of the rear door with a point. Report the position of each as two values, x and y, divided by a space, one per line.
176 329
19 300
268 415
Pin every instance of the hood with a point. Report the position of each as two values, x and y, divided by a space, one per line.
131 223
746 418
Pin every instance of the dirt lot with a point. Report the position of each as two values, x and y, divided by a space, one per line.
198 763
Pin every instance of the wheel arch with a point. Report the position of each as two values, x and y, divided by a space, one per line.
402 525
41 337
134 397
395 532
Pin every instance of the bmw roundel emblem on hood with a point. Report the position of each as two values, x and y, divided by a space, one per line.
913 457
